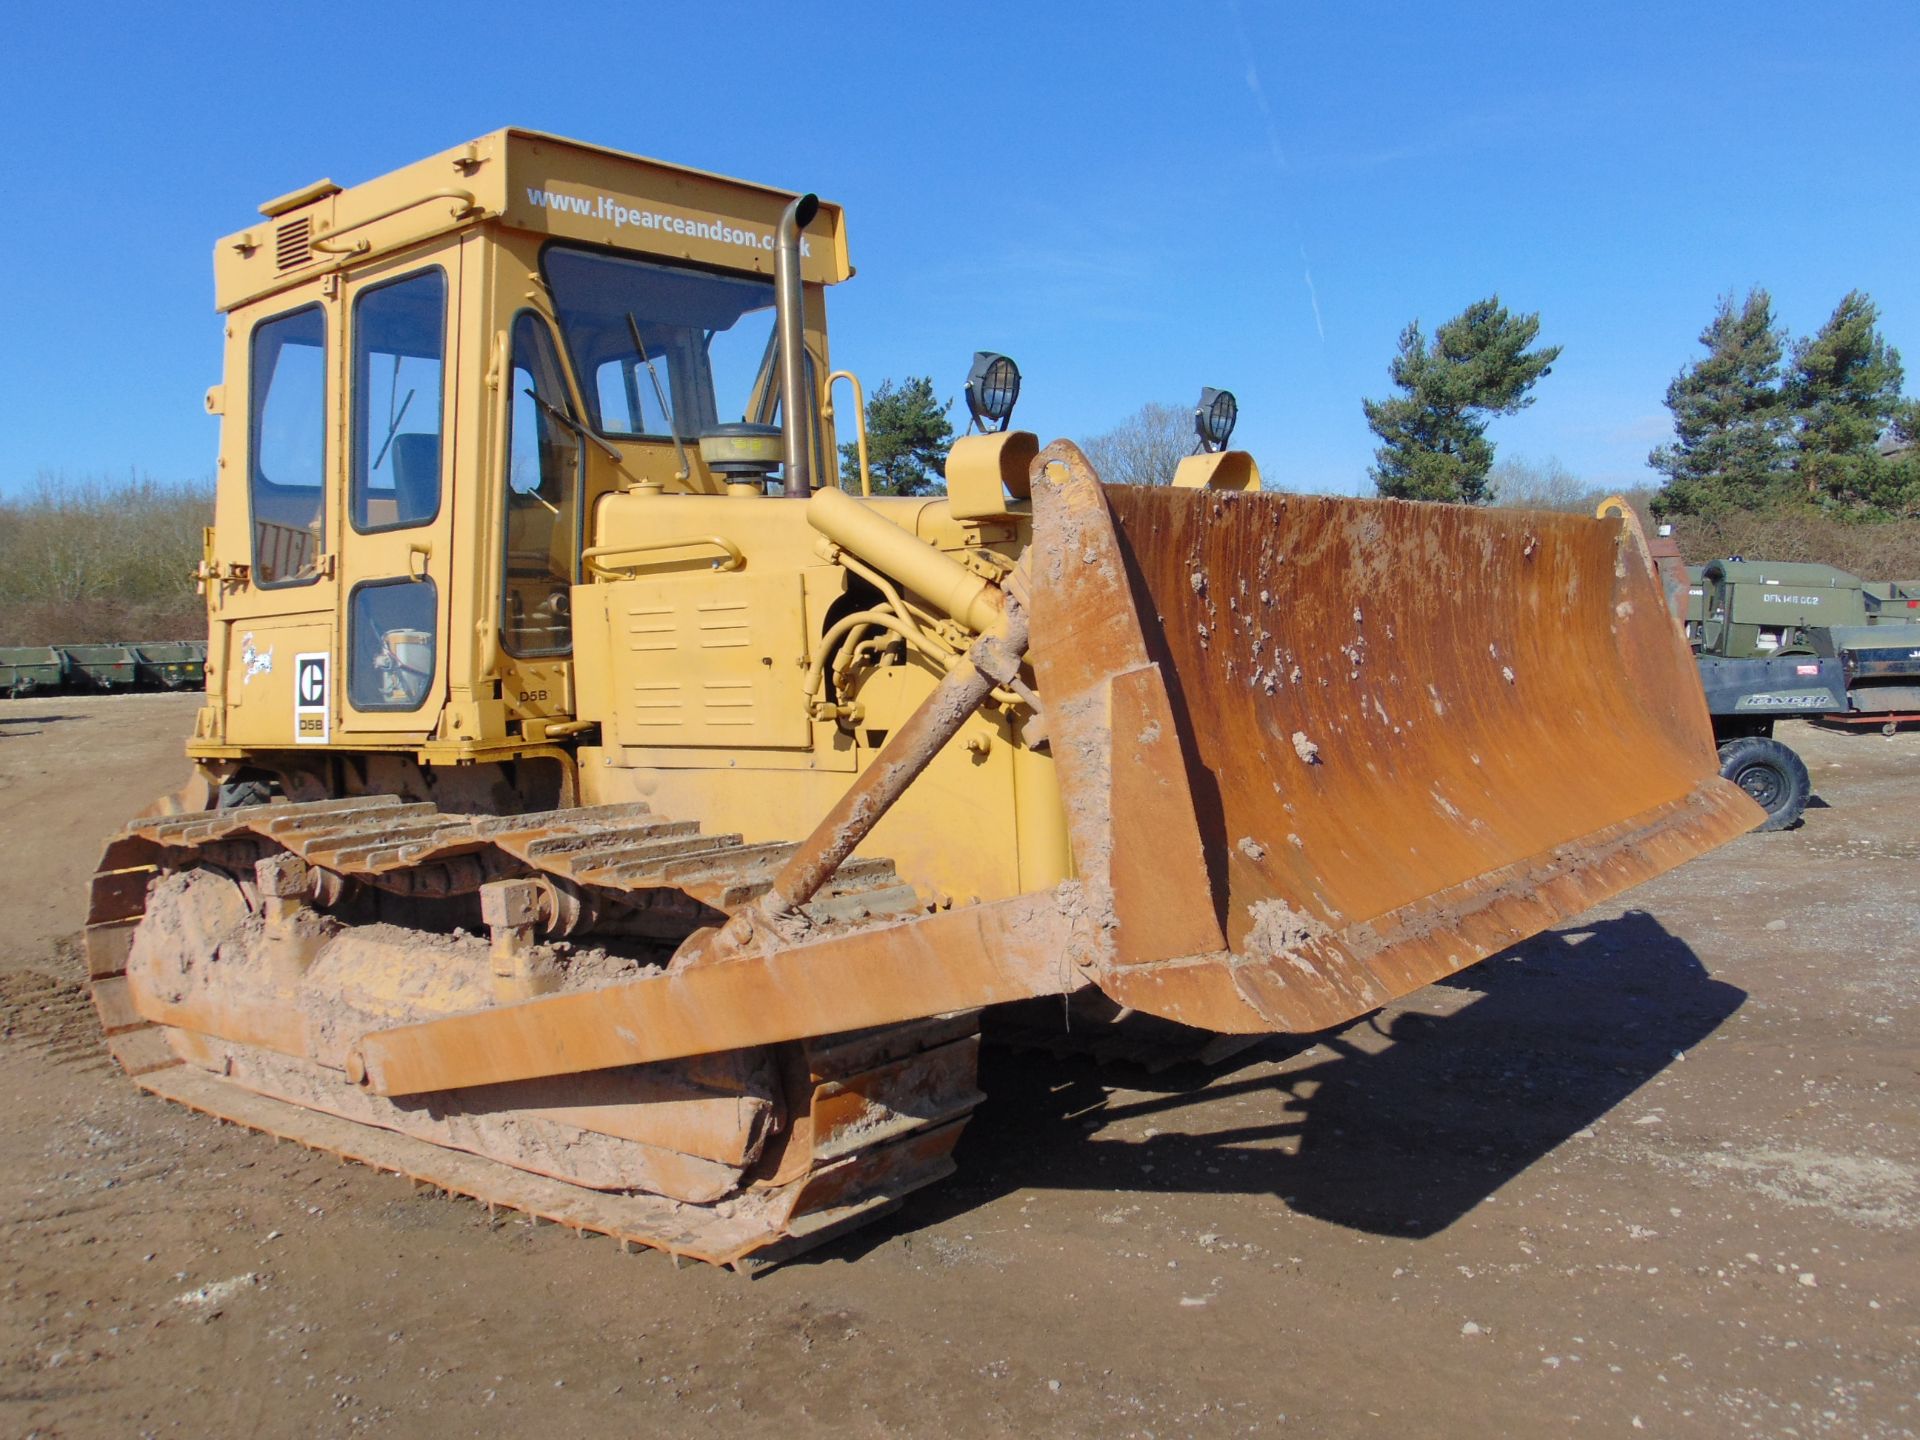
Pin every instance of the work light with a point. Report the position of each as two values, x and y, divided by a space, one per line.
1213 418
993 385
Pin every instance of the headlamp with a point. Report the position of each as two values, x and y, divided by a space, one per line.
993 385
1214 417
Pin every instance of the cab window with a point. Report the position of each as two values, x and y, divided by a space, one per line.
542 530
393 651
399 347
287 435
661 349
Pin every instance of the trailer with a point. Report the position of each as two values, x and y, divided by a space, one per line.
105 667
27 668
176 664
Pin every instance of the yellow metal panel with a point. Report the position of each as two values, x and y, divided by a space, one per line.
259 676
539 183
708 659
1218 470
987 474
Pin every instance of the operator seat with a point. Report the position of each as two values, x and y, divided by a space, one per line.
416 477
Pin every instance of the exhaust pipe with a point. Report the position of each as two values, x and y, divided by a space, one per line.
796 404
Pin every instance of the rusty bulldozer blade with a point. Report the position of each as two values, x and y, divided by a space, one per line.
1318 752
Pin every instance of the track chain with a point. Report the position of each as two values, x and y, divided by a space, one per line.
619 857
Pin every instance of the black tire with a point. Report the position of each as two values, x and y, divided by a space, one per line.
1772 774
236 793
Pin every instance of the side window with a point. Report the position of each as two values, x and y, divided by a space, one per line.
399 348
391 623
542 499
287 449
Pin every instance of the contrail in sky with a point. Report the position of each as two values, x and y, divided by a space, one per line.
1260 99
1279 155
1312 294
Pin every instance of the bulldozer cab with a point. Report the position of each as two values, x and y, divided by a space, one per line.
431 380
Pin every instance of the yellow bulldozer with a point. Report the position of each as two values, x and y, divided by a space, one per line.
602 812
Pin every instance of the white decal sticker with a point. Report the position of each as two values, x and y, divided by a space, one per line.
616 211
312 699
255 661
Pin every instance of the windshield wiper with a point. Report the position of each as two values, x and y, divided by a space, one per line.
660 394
561 416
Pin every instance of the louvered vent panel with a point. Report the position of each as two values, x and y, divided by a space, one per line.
709 660
293 243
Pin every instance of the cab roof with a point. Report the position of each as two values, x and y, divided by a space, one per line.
527 181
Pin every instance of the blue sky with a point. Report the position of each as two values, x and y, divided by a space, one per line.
1132 200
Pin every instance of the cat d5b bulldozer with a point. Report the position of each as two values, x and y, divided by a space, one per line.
603 813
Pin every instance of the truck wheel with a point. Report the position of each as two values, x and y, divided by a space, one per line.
1772 774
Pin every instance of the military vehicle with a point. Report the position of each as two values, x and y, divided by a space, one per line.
27 668
1755 609
104 667
1762 607
601 813
173 664
1746 694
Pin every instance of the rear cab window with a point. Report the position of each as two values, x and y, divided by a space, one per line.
287 446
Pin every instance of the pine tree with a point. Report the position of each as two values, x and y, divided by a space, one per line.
1843 391
1729 417
1434 434
908 435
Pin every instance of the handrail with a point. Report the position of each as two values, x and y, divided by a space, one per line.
590 557
860 429
360 247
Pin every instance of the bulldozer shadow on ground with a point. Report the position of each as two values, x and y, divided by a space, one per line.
1398 1124
13 727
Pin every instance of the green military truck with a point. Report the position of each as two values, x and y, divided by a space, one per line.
1764 609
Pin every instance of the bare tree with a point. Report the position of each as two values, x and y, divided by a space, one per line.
1145 448
100 559
1521 484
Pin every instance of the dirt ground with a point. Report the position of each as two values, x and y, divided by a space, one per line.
1657 1172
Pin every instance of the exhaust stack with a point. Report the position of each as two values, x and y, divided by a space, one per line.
796 405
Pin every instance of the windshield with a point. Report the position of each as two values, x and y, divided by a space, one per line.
662 350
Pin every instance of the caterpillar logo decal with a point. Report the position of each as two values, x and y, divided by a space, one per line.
311 700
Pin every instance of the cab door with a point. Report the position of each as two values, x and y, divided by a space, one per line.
274 590
397 561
